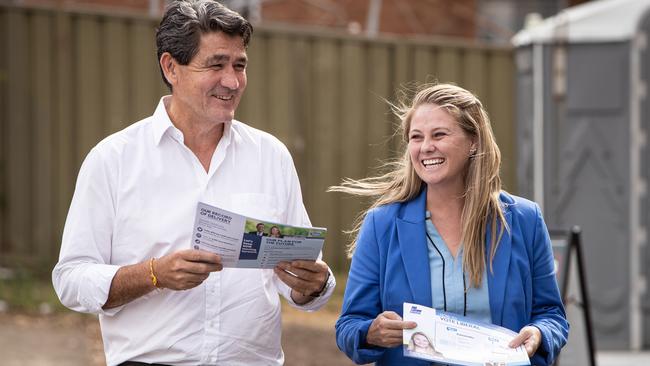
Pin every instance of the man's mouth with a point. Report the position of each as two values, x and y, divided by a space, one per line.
432 162
224 97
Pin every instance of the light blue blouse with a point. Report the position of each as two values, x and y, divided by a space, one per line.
448 280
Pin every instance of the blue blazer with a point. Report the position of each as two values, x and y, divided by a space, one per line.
390 266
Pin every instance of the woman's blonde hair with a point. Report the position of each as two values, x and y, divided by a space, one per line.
482 183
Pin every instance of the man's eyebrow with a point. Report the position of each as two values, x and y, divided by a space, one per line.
224 58
217 58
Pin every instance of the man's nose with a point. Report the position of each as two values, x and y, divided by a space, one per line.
229 79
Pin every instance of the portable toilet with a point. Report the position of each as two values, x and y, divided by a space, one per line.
583 119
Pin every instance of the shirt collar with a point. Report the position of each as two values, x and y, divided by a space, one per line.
162 123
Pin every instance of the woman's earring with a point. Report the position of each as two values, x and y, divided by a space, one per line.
472 153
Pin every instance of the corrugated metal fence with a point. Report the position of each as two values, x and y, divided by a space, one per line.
68 79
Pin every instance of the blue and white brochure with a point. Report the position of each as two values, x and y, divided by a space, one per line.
245 242
453 339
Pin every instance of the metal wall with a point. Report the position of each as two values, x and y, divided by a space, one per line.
69 79
586 165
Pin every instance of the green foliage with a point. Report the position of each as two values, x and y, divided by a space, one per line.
23 291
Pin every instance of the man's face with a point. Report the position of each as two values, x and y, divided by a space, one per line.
260 228
210 87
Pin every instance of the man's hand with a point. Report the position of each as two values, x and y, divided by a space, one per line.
530 336
185 269
177 271
386 330
304 277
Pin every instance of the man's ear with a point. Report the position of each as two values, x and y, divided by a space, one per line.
169 67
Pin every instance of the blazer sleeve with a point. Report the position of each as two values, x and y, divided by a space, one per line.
362 301
548 313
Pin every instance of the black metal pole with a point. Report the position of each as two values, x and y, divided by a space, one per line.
586 306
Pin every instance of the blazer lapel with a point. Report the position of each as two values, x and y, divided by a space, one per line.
414 251
497 280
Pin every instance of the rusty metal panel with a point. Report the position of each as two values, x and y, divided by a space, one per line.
144 75
499 104
4 79
115 41
88 84
19 143
324 139
42 107
253 108
279 63
63 159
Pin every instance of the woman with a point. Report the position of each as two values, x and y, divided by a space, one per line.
420 343
441 233
275 232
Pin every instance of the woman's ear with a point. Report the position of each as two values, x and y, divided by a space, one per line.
472 150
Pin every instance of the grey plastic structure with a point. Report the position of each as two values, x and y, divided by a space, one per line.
583 118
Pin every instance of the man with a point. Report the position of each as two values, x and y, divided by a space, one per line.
125 253
260 230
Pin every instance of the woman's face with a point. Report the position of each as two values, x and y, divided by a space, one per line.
438 147
275 231
420 341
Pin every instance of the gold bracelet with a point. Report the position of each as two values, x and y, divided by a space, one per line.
154 279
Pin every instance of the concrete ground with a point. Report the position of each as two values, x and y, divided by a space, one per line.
622 358
74 340
63 339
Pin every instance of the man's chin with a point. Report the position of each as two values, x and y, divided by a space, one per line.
223 118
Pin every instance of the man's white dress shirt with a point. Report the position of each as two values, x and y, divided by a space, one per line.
135 199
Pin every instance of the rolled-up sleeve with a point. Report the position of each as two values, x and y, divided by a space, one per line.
83 275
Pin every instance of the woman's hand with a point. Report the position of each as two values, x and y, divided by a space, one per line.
386 330
530 337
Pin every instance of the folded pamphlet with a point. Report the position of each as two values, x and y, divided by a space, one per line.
245 242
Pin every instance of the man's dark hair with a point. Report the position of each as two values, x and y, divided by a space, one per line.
180 29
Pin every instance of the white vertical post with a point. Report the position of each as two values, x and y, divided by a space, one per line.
538 124
154 8
638 190
372 23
